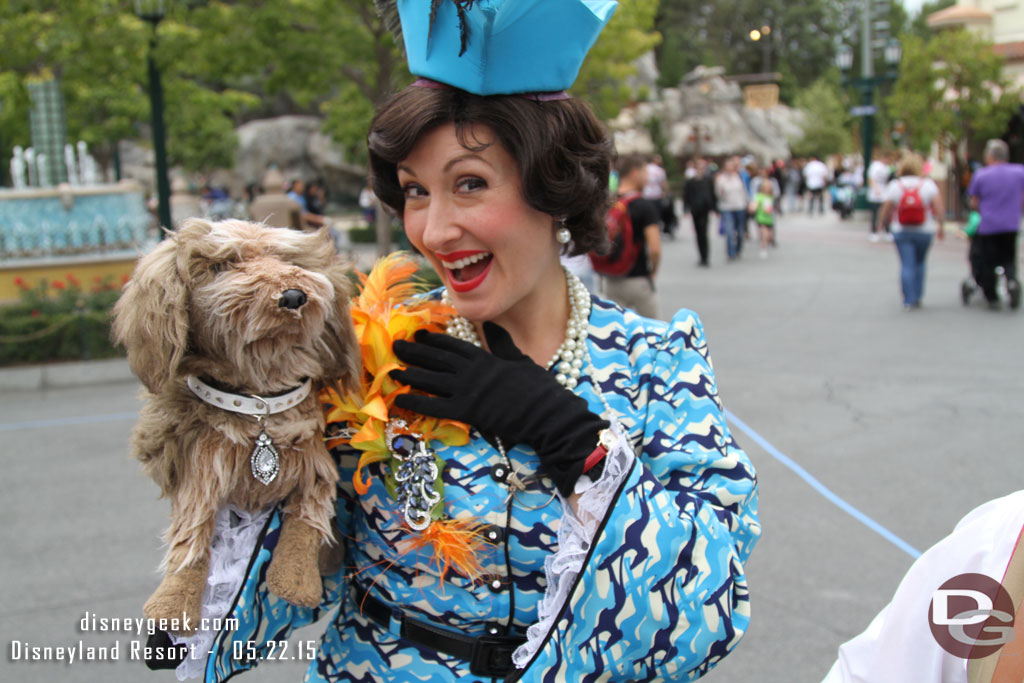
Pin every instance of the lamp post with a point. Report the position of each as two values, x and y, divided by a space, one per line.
866 84
758 35
152 11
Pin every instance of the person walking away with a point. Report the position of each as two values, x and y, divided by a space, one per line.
763 209
914 205
732 199
816 176
636 289
879 174
794 186
996 192
699 199
368 203
778 171
656 191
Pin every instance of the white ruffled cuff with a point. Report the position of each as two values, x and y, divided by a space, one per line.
575 537
234 538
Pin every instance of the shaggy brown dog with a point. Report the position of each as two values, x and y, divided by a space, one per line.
210 301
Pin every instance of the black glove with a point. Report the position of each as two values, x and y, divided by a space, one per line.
502 393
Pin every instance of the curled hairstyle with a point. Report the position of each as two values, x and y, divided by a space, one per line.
562 150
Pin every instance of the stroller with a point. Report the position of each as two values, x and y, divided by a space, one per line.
1007 287
842 199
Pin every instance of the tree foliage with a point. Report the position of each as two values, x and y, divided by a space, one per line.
224 62
800 43
826 121
951 90
603 78
919 26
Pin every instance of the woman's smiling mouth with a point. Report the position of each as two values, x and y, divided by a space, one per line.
466 269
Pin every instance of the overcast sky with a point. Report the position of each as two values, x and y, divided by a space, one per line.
912 6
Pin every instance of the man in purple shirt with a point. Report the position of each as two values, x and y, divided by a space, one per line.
997 193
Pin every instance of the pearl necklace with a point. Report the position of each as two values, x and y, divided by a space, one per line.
571 355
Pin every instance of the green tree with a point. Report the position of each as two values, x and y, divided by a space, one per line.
629 34
951 90
224 62
919 26
800 43
826 121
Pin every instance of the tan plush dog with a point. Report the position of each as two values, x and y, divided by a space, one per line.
225 323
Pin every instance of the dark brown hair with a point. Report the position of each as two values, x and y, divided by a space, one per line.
563 152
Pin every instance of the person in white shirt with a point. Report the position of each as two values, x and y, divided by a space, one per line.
816 176
899 646
912 237
879 173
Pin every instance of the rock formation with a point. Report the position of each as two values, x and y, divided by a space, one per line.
705 114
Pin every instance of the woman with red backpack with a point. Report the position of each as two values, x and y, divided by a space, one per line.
914 205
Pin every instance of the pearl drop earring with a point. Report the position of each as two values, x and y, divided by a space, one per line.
562 235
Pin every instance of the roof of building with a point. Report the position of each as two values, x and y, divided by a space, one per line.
958 14
1011 51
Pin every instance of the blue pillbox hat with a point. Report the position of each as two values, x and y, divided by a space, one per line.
511 46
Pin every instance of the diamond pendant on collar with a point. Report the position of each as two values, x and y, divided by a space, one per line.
264 461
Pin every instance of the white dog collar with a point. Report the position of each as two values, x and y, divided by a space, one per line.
256 406
265 462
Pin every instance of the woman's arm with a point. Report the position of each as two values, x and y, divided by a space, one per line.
649 584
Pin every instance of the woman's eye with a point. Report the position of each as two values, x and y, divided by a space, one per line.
413 191
471 184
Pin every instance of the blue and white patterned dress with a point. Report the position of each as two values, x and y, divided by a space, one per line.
646 584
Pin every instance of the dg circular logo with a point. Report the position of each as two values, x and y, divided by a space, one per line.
971 616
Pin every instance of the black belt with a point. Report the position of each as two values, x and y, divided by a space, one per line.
488 656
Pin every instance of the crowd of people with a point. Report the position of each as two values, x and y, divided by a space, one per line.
905 206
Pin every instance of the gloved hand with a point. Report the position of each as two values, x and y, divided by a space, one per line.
502 393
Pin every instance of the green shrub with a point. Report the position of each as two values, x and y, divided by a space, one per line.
58 321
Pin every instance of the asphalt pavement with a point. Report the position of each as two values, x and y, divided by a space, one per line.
836 392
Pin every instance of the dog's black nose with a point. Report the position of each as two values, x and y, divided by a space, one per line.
291 298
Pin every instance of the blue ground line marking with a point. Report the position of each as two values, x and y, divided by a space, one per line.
822 489
66 421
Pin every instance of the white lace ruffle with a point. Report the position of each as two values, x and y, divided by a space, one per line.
234 538
575 536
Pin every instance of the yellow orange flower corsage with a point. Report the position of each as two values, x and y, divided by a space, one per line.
387 309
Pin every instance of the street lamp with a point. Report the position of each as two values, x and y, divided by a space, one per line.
152 11
844 58
893 53
757 35
867 84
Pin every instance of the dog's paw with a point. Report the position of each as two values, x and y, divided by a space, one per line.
176 605
330 558
299 585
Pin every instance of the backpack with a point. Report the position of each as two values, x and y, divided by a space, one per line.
625 251
910 210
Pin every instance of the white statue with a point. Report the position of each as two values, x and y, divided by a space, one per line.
90 170
42 170
83 163
18 180
71 165
30 163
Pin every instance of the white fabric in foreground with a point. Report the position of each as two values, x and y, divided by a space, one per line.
234 538
898 645
575 536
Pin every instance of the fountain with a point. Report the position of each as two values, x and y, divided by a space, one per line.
81 226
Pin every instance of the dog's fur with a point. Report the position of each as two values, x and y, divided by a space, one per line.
205 303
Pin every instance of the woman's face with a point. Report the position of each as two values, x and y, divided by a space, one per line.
465 212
